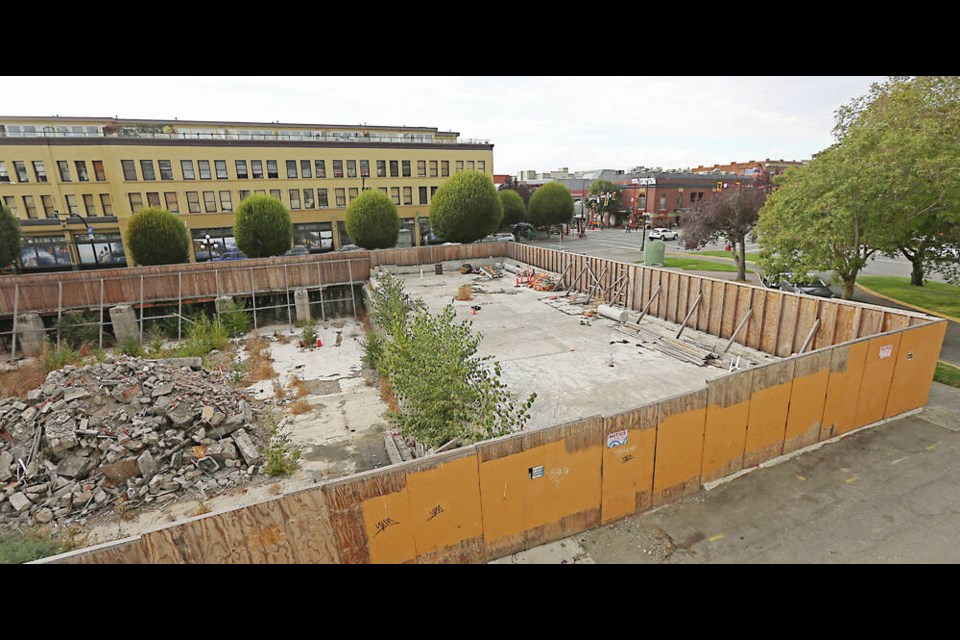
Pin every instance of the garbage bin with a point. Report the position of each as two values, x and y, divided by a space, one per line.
438 268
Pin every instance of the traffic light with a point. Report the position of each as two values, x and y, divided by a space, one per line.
719 185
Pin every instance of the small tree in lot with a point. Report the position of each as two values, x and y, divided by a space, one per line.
514 210
156 236
466 208
550 204
372 221
9 236
262 227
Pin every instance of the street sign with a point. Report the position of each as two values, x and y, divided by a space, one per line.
89 231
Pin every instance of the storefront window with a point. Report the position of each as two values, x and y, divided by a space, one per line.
221 240
316 236
103 250
44 252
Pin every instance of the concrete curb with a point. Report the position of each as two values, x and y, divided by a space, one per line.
907 304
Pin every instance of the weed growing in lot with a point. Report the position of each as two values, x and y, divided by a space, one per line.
54 358
309 335
17 547
234 317
282 455
131 347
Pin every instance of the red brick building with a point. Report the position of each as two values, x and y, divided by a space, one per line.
773 167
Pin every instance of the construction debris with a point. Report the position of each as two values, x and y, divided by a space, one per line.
127 431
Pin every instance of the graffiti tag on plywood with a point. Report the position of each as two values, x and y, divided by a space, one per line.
382 525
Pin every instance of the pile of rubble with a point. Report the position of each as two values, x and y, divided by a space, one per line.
122 433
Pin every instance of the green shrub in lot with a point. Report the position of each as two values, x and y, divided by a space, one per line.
77 328
234 318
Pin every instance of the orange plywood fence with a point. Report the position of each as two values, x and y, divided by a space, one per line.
728 408
881 360
679 446
445 508
630 440
808 395
916 362
540 486
769 404
371 517
843 388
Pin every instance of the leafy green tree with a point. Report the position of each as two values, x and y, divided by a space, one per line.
372 220
466 207
9 236
550 204
156 236
262 227
514 210
508 185
905 135
600 202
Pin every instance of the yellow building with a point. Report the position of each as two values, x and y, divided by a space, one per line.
75 182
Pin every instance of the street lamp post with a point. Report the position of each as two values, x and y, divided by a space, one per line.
68 234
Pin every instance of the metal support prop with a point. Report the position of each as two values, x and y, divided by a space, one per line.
59 308
740 327
646 307
323 314
286 286
353 297
16 314
809 339
253 298
101 313
142 310
216 307
696 303
179 305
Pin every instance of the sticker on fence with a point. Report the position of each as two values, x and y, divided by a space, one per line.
886 351
616 438
536 472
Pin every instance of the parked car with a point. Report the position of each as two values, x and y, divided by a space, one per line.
809 284
230 255
431 238
350 247
504 236
298 250
488 239
662 233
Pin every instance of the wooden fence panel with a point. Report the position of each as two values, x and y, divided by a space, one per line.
881 360
771 321
769 404
728 408
808 395
843 388
629 447
755 324
679 446
919 350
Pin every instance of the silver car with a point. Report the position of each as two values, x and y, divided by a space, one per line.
662 233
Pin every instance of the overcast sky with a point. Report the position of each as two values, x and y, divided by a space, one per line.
541 123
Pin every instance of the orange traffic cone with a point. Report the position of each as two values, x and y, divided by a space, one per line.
319 342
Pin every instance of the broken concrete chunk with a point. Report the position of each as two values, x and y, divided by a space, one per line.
20 502
34 394
147 465
131 392
75 393
222 452
182 416
217 419
194 363
120 471
6 460
206 413
28 414
162 390
74 466
43 516
245 444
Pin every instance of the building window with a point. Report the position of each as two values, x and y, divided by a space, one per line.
381 168
170 197
4 175
305 169
193 201
365 168
408 196
221 167
353 193
294 198
275 193
129 170
321 167
48 209
146 168
433 192
341 197
693 196
166 169
64 168
459 166
406 168
663 203
423 195
244 194
433 168
204 166
153 199
30 206
338 168
241 166
103 248
680 200
186 168
21 169
106 203
40 170
291 168
394 170
272 171
470 165
136 202
82 175
72 205
308 198
209 202
256 168
11 202
98 171
226 201
322 202
481 165
395 194
421 168
444 168
351 168
89 206
44 251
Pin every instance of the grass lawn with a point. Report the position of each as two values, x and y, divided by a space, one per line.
692 264
936 296
947 374
751 257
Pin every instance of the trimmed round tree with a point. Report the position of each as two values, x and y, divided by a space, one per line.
156 236
372 220
550 204
262 227
9 236
466 208
514 210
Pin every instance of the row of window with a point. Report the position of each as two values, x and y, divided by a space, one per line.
63 167
309 169
89 202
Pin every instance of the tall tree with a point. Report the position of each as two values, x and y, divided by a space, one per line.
372 220
732 214
906 136
9 236
466 207
513 209
262 227
156 236
600 201
550 204
508 185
